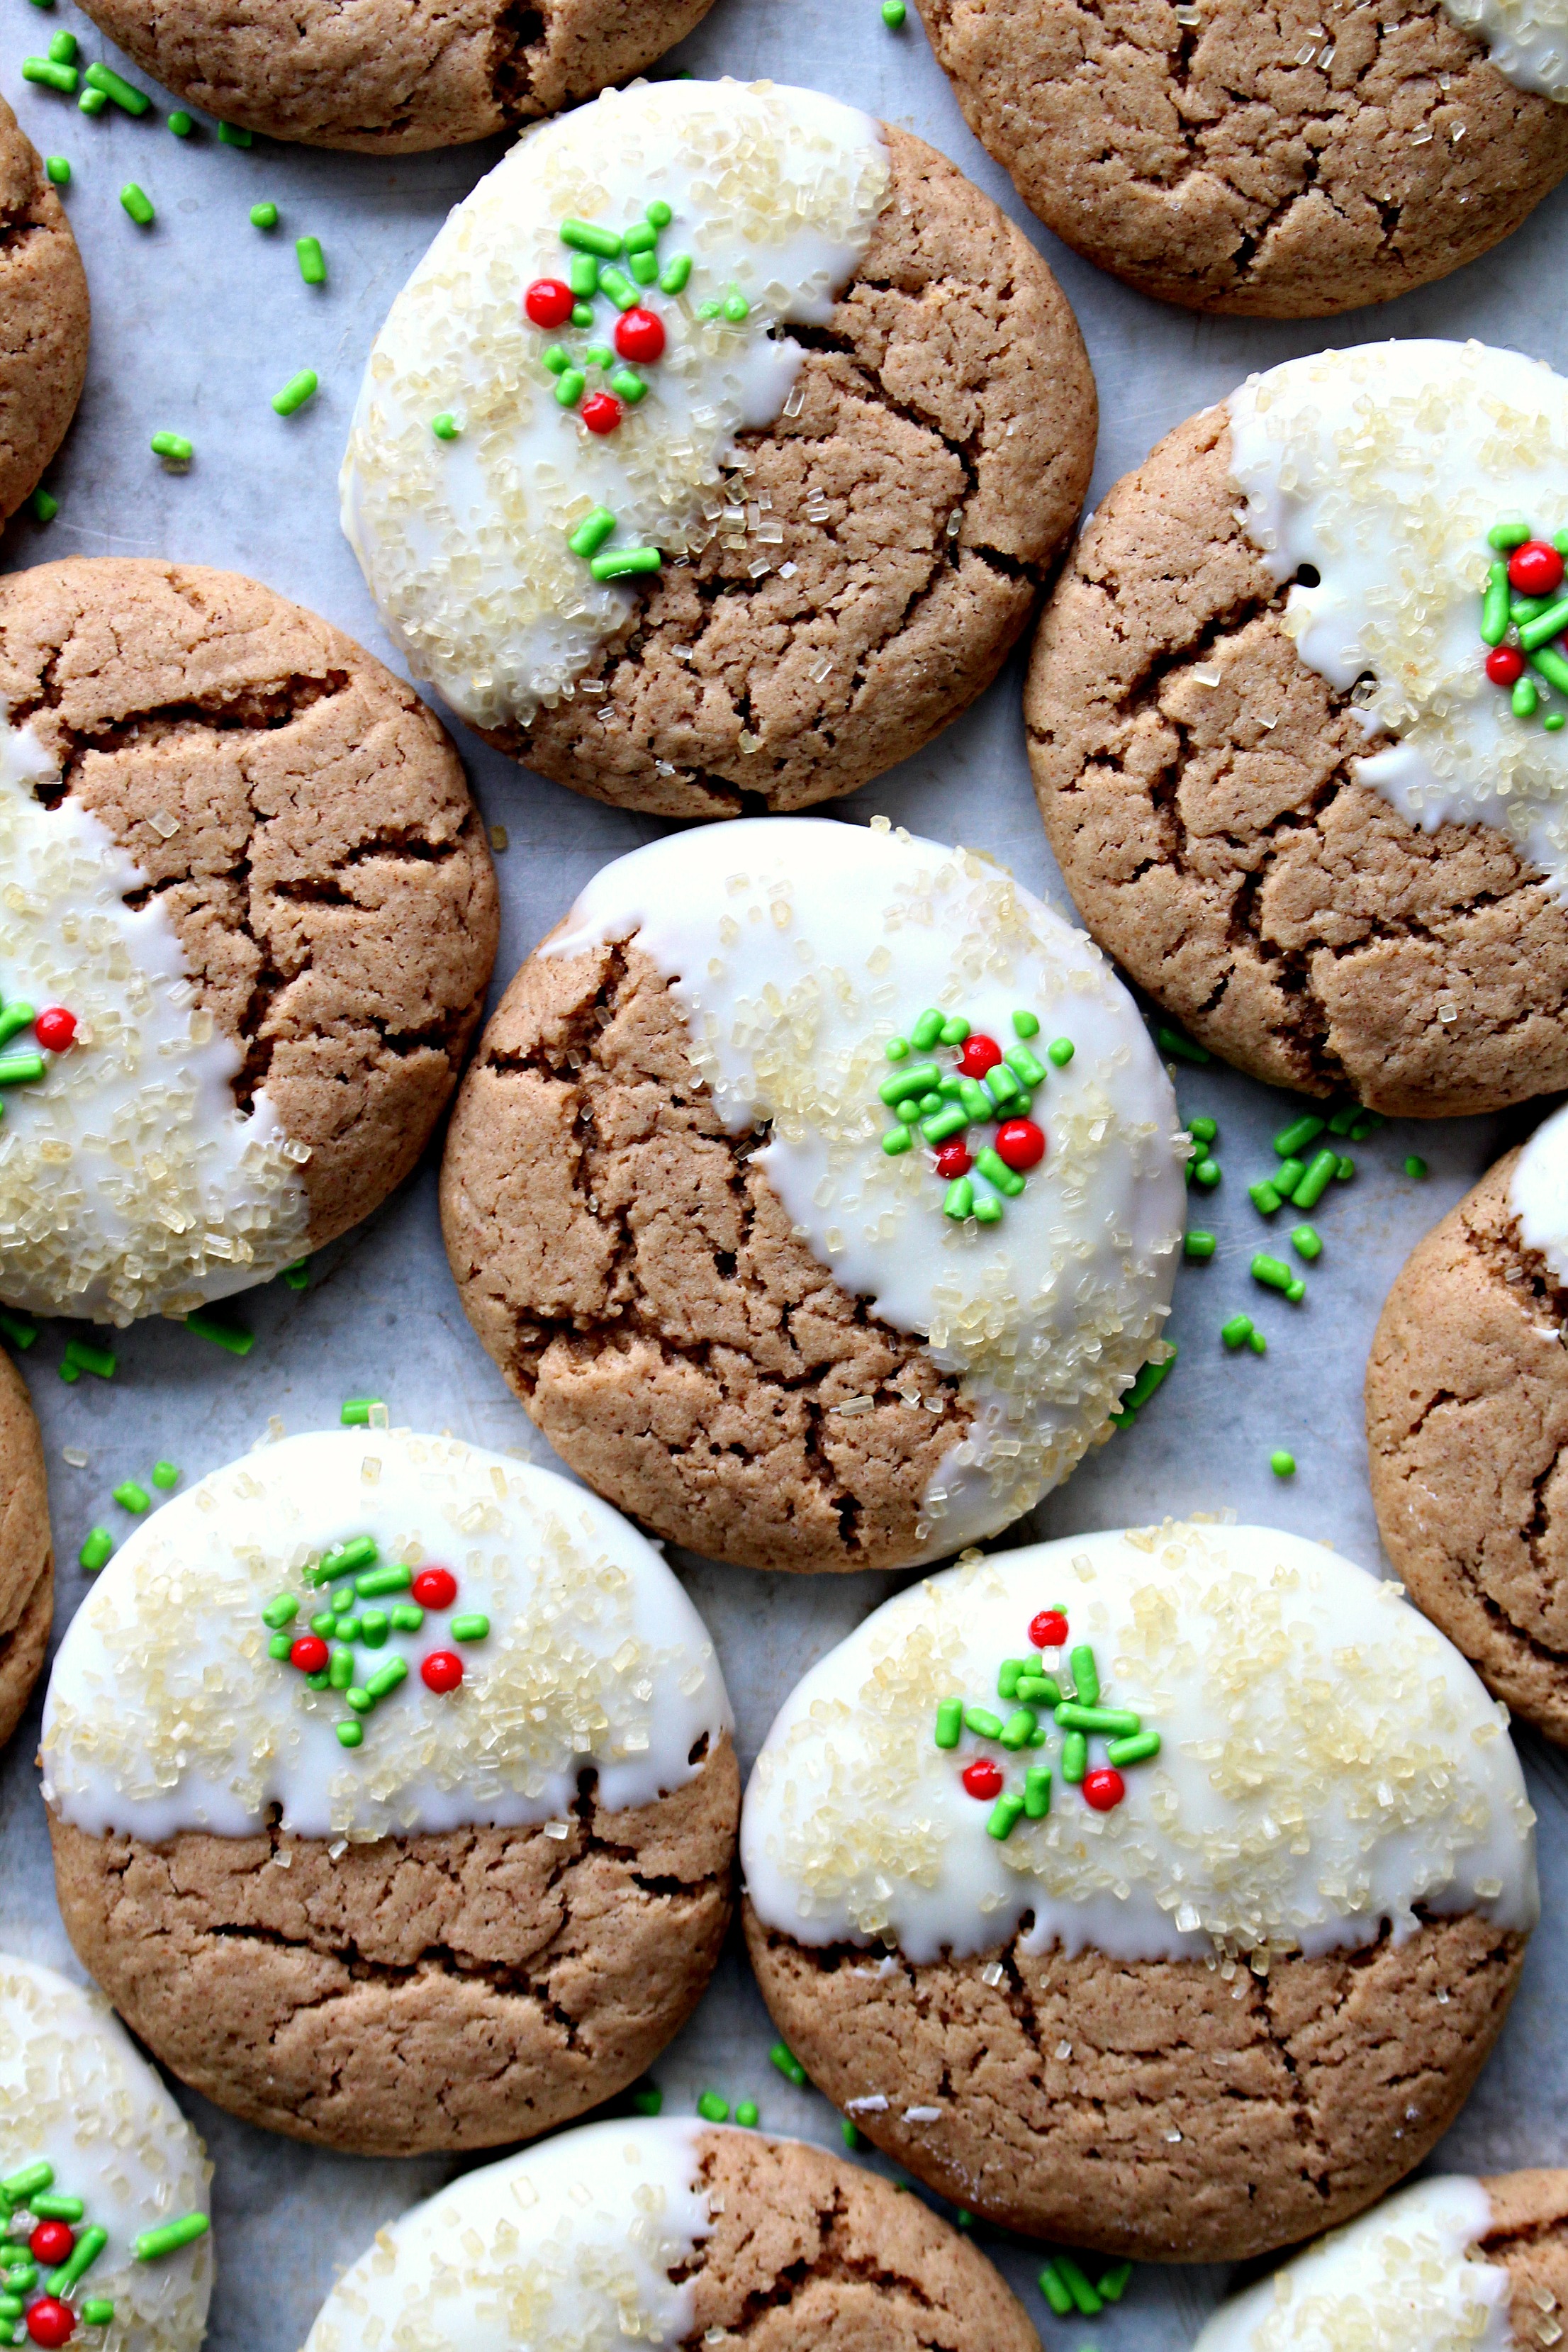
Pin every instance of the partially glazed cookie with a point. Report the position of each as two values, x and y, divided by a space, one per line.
676 2234
252 919
819 1191
1279 164
1450 2262
44 317
27 1552
391 1793
104 2230
1466 1423
1299 740
715 452
1161 1893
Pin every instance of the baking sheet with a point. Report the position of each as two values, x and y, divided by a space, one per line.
197 320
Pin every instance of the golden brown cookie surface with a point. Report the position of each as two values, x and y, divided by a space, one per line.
44 317
27 1555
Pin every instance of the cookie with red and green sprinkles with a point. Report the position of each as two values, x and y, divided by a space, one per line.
371 1753
714 456
27 1552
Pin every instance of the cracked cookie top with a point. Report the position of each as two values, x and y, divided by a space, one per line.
1183 1740
376 1633
1538 1189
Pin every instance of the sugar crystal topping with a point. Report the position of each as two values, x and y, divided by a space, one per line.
1526 40
1539 1193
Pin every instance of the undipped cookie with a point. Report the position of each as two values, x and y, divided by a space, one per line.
1303 765
1467 1426
1281 163
672 2234
27 1552
44 317
1161 1893
391 1793
665 553
252 923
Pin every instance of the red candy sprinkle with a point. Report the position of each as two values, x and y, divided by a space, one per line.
1504 664
1104 1788
640 334
977 1056
51 2242
601 411
54 1028
982 1778
51 2322
549 301
309 1654
441 1672
1535 569
1020 1143
1048 1631
953 1160
435 1588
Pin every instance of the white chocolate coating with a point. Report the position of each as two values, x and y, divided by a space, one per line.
1384 466
1403 2278
463 542
568 2247
796 947
74 2092
130 1181
1329 1760
1540 1192
166 1713
1527 40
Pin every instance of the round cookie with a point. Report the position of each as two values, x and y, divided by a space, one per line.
1451 2261
673 2233
1285 163
260 920
744 1295
26 1550
394 77
94 2155
1466 1422
707 565
1161 1892
44 317
1284 790
391 1793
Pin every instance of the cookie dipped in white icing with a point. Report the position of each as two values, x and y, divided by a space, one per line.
1403 2278
1384 469
471 462
130 1182
571 2247
574 1648
1323 1762
79 2103
1526 40
1539 1193
804 955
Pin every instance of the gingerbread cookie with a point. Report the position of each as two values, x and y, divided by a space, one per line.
391 1793
394 77
44 317
1280 164
819 1191
27 1552
1161 1893
659 548
1298 729
257 922
676 2234
1466 1420
104 2231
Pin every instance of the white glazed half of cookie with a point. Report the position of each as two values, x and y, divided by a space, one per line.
410 1752
103 2184
1081 1875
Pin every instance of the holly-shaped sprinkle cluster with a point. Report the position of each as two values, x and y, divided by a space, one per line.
1030 1691
1523 608
984 1086
324 1652
47 2246
54 1030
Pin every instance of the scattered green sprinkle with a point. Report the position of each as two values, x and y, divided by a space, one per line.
1264 1197
51 73
138 204
83 1357
312 259
1055 2291
647 2099
92 102
1004 1816
1283 1464
109 84
165 1474
57 170
982 1723
1508 532
1060 1051
231 135
1343 1170
735 307
231 1336
45 507
133 1496
1198 1244
1206 1173
590 534
618 287
893 14
949 1722
1083 2295
85 2253
677 271
173 448
1295 1138
712 2108
354 1412
1236 1331
181 123
296 392
97 2311
63 48
628 386
625 563
264 216
1272 1272
850 2135
280 1612
375 1582
788 2064
20 1330
1417 1167
1134 1747
298 1276
387 1678
748 2114
407 1617
587 237
1306 1242
1181 1049
1203 1130
350 1734
97 1550
445 426
473 1627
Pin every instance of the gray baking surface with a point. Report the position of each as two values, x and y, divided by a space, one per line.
197 320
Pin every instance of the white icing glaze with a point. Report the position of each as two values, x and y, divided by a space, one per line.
796 947
1401 2279
1384 468
166 1713
1540 1192
74 2092
774 193
1329 1760
129 1183
568 2247
1527 40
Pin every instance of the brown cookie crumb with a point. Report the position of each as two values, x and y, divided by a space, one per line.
26 1554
